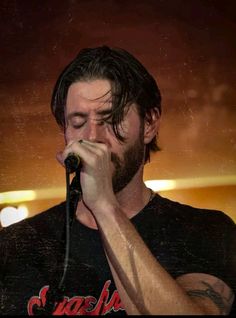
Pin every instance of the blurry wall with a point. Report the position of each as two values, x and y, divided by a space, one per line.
188 46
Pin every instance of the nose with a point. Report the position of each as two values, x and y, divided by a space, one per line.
95 131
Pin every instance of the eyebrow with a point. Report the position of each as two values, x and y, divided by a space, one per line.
84 115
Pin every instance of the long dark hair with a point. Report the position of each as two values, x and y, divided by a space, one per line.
130 83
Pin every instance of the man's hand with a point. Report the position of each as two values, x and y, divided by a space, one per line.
95 175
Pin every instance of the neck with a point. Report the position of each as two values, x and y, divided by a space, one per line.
134 196
131 200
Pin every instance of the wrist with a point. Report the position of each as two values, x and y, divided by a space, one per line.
105 208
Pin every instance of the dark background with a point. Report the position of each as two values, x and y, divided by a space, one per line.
189 47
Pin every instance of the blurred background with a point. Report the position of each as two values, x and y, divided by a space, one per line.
188 46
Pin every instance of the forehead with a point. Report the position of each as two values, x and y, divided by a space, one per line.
93 94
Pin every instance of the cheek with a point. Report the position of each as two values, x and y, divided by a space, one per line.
132 132
67 135
71 134
131 127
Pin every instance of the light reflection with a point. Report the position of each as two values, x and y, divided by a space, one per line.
17 196
155 185
10 215
188 183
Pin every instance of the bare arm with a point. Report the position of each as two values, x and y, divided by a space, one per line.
150 289
208 291
144 285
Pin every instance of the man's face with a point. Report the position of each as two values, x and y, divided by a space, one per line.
88 104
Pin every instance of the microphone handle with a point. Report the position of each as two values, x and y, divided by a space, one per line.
72 162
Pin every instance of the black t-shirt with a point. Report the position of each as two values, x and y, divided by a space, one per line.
182 238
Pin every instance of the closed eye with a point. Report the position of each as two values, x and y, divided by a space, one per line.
104 121
77 126
107 119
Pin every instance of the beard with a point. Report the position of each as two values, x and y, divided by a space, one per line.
126 169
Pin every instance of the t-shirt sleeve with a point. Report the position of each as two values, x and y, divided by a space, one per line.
223 239
210 247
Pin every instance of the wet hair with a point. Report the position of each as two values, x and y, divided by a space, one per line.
130 83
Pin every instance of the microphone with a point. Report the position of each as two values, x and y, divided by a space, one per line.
72 162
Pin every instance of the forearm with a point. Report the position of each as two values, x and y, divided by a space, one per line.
150 289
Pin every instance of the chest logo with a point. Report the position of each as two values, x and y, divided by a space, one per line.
79 305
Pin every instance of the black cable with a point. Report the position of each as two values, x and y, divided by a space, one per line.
73 195
67 238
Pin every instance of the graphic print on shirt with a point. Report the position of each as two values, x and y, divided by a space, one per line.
79 305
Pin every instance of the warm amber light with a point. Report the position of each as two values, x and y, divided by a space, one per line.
17 196
155 185
164 185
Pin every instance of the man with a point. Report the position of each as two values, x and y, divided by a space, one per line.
131 251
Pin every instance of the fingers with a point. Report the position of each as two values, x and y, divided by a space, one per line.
95 173
98 149
94 145
88 151
97 154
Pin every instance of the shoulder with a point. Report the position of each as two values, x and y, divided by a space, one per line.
41 233
207 234
197 233
205 228
31 227
176 219
51 218
186 213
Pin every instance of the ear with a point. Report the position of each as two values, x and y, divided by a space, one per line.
151 126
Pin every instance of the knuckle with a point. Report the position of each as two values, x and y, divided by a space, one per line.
99 153
104 147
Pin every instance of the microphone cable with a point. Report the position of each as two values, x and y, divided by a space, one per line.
73 196
67 232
